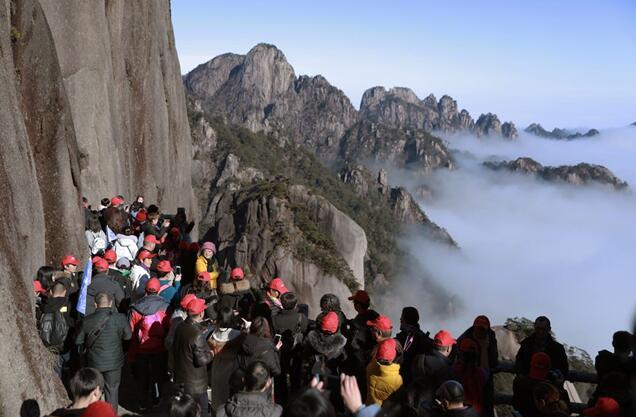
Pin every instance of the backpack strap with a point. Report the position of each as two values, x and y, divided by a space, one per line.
164 287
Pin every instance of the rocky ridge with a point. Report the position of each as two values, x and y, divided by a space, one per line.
579 174
556 133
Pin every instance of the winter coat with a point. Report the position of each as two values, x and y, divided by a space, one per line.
250 404
433 367
254 348
138 273
552 348
225 344
205 265
414 342
107 353
191 357
291 321
149 323
467 411
49 307
237 295
102 282
91 236
607 362
493 352
323 354
170 290
382 381
474 381
126 247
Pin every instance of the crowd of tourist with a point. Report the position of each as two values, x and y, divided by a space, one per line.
202 340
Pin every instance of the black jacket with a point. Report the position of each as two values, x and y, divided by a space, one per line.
290 321
467 411
51 305
493 352
103 283
254 348
249 404
323 354
554 350
414 342
433 367
107 353
191 357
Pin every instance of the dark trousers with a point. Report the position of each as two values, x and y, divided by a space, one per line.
202 399
150 370
112 379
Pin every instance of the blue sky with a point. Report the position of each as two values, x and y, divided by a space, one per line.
561 63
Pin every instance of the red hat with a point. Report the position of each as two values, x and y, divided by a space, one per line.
278 285
37 287
361 297
186 299
194 247
69 260
237 273
482 321
443 338
151 239
196 306
174 232
183 246
115 201
164 266
100 264
99 409
143 254
141 216
329 323
153 285
468 345
604 407
110 256
540 366
382 323
204 276
387 350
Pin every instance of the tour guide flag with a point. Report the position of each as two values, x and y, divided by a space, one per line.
86 281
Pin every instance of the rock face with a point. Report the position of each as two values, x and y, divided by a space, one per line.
278 229
556 133
90 105
579 174
401 108
261 92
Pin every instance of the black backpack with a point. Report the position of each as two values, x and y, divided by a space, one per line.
292 340
53 330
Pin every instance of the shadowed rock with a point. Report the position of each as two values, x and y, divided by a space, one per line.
556 133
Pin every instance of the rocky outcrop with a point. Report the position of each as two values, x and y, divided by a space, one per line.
556 133
90 105
579 174
401 108
278 229
415 149
261 92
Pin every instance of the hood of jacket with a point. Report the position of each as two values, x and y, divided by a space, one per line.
53 304
150 304
330 345
251 404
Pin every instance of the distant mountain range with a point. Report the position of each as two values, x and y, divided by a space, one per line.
556 133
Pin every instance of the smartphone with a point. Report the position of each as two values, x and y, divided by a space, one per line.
277 338
177 270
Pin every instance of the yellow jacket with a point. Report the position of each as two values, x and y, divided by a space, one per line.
382 381
202 266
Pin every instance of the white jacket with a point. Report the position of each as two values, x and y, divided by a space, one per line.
136 273
126 247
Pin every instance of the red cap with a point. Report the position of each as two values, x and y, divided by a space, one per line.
483 322
186 299
183 246
164 266
204 276
468 345
69 260
237 273
115 201
145 254
110 256
278 285
361 297
443 338
151 239
387 350
382 323
100 264
194 247
329 323
153 285
99 409
37 287
604 407
196 306
141 216
174 232
540 366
